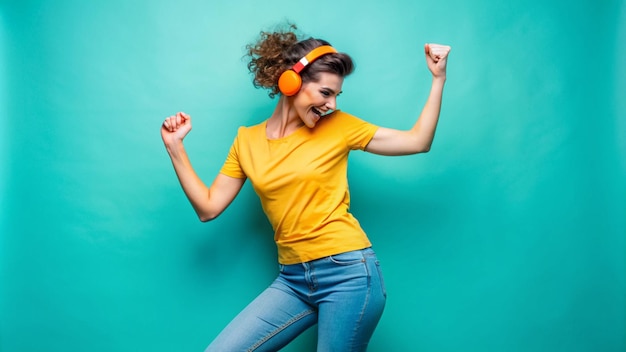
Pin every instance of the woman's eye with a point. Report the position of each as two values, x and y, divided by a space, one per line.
325 93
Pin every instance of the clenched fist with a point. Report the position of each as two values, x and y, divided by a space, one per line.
437 59
175 128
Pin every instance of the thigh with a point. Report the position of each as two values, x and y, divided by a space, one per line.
268 323
348 316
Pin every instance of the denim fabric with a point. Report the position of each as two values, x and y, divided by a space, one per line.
344 294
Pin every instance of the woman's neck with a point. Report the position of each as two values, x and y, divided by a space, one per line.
284 120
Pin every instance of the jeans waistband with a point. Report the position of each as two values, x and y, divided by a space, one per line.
365 252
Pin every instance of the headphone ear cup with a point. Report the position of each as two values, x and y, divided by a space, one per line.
289 83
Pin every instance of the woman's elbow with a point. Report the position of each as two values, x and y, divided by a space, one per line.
421 148
420 144
207 216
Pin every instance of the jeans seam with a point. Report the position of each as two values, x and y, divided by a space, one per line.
281 328
367 299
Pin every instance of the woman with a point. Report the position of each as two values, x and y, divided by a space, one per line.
297 163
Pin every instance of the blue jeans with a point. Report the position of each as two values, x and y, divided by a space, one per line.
344 294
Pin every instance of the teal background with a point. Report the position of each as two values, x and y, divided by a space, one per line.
508 236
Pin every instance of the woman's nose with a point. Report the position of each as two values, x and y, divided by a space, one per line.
331 104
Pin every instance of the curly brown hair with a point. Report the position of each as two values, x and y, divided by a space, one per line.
277 51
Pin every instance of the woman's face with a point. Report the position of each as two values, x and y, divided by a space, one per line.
316 99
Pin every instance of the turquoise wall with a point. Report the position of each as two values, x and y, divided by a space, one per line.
508 236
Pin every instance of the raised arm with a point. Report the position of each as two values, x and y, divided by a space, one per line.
387 141
208 202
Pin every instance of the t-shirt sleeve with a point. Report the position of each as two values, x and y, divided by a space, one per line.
231 166
357 132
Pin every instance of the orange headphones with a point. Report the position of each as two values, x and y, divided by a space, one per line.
290 81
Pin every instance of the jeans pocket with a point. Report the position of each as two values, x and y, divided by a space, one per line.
347 258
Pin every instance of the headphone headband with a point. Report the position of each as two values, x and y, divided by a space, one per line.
312 56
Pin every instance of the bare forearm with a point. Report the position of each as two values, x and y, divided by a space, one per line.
425 127
195 190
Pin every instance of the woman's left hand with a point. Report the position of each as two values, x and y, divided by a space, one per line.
436 59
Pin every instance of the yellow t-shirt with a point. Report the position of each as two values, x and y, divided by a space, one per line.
302 183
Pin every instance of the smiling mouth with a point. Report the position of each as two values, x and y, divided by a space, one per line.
319 112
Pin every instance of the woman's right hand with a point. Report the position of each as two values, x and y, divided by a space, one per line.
175 128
